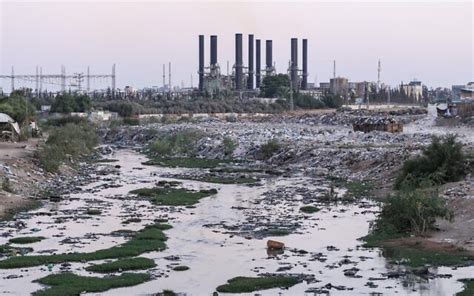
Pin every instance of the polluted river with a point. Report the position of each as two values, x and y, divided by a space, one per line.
221 237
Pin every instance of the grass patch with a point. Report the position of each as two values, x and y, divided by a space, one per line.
122 265
224 180
418 258
278 232
185 162
94 212
250 284
151 238
309 209
68 284
173 196
358 189
180 268
468 288
26 239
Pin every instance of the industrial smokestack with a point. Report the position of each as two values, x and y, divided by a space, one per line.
238 61
269 57
304 83
250 77
201 63
258 62
294 63
213 50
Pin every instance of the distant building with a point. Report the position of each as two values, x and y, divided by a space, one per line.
414 89
339 86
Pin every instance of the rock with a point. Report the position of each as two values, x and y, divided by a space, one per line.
276 245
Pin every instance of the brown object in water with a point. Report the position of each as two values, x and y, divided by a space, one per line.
271 244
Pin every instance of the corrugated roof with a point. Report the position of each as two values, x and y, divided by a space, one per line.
4 118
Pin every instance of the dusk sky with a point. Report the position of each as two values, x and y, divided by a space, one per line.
430 41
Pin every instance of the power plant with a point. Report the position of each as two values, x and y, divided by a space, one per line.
248 78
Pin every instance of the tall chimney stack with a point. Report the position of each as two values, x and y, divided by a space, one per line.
294 63
250 71
269 57
258 64
304 83
201 63
213 50
238 61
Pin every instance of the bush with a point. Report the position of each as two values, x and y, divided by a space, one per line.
268 149
17 106
441 162
229 146
61 121
411 211
67 144
6 185
67 103
182 143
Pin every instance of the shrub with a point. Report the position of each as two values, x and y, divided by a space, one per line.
182 143
229 146
67 103
67 144
411 211
269 148
441 162
6 185
17 106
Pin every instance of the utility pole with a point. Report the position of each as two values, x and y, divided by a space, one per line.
334 69
379 69
37 81
113 80
192 81
169 76
13 79
88 80
164 81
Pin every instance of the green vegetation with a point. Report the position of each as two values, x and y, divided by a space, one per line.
67 143
151 238
411 211
414 257
173 196
185 162
269 148
68 284
94 212
180 143
468 288
17 106
122 265
358 189
278 232
441 162
62 121
309 209
67 103
26 239
224 179
250 284
180 268
229 146
275 86
7 185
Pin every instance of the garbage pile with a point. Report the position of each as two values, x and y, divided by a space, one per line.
385 124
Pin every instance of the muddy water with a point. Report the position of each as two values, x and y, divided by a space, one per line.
213 255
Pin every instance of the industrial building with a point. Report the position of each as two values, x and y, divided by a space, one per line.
248 78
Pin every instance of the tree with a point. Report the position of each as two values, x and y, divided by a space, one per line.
17 106
275 86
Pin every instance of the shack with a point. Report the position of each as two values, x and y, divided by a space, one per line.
9 128
383 124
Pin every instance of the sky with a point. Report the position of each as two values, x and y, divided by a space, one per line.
431 41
